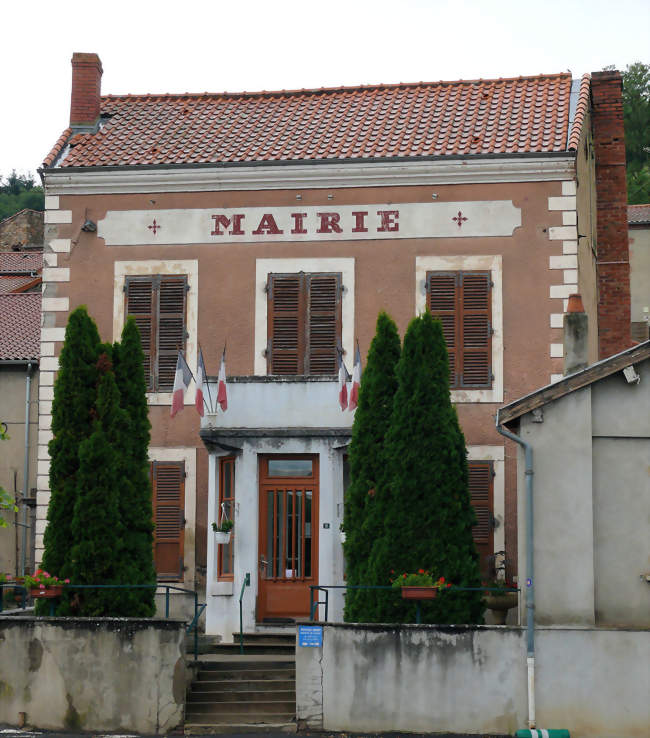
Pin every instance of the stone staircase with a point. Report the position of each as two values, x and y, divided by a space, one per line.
249 693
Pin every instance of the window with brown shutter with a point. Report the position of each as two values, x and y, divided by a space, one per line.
304 323
462 303
158 305
168 482
481 476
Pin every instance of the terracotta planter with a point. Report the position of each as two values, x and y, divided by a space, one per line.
419 593
500 604
48 592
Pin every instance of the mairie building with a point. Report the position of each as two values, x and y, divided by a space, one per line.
278 225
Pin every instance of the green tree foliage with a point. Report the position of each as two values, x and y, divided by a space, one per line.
17 192
73 412
636 115
7 502
97 529
135 495
363 519
429 517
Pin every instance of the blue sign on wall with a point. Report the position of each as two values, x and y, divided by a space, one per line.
310 636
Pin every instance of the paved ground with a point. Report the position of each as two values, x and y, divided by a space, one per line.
26 733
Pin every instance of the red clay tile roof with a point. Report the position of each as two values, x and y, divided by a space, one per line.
581 110
17 284
505 116
21 261
20 327
638 214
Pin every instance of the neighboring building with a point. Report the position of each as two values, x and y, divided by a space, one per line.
281 223
590 438
20 341
22 230
638 220
20 271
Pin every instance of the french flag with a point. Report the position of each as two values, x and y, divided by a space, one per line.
182 379
222 392
356 381
343 387
199 381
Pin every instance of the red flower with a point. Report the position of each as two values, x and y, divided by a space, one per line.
420 571
441 580
404 575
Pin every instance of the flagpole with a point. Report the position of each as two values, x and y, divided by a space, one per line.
210 410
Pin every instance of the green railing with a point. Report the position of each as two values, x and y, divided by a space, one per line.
245 583
314 603
192 627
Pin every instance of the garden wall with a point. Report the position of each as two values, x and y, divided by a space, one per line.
105 674
472 679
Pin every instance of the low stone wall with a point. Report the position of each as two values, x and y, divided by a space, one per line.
105 674
473 679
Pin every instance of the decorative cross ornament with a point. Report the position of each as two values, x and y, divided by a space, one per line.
156 227
460 219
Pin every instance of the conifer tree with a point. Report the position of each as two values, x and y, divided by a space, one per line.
97 531
72 422
429 517
135 497
363 519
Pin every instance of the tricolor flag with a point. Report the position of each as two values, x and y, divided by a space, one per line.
199 381
222 394
356 381
343 387
181 383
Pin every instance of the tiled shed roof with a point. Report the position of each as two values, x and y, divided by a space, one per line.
638 214
504 116
20 262
20 327
19 283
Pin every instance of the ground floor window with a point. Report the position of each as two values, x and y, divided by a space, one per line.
225 565
481 489
168 485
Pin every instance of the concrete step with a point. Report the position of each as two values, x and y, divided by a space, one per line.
255 673
269 637
252 712
252 696
253 648
243 658
243 685
202 727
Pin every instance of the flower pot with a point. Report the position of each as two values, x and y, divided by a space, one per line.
342 535
419 593
222 537
48 592
500 603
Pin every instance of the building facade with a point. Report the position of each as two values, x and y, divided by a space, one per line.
279 225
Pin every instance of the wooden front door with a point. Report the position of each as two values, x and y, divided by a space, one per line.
288 544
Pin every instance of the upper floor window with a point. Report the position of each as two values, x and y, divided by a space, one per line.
462 302
158 304
304 323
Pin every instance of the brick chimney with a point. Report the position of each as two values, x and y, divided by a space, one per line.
86 90
575 336
613 261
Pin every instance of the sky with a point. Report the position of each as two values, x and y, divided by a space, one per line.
198 46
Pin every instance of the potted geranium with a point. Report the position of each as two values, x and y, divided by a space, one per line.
420 585
222 531
500 596
42 584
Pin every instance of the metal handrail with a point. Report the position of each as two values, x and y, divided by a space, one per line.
313 604
245 583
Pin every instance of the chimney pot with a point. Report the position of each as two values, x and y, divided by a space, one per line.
575 304
86 91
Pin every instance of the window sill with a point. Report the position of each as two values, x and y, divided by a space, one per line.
159 398
221 589
476 395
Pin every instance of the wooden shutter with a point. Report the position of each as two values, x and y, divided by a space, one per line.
476 329
168 481
462 302
171 329
285 348
442 296
141 305
481 477
324 324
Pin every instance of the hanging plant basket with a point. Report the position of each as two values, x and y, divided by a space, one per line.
411 592
222 537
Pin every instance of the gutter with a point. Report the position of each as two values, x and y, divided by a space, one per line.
530 564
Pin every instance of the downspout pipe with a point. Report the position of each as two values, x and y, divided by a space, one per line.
530 569
23 547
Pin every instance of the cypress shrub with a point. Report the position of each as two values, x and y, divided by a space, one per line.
363 518
428 514
73 412
134 492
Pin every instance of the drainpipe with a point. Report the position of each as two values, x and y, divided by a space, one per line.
28 387
530 578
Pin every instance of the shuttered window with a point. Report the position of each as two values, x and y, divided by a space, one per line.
304 323
158 305
481 476
462 303
168 482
